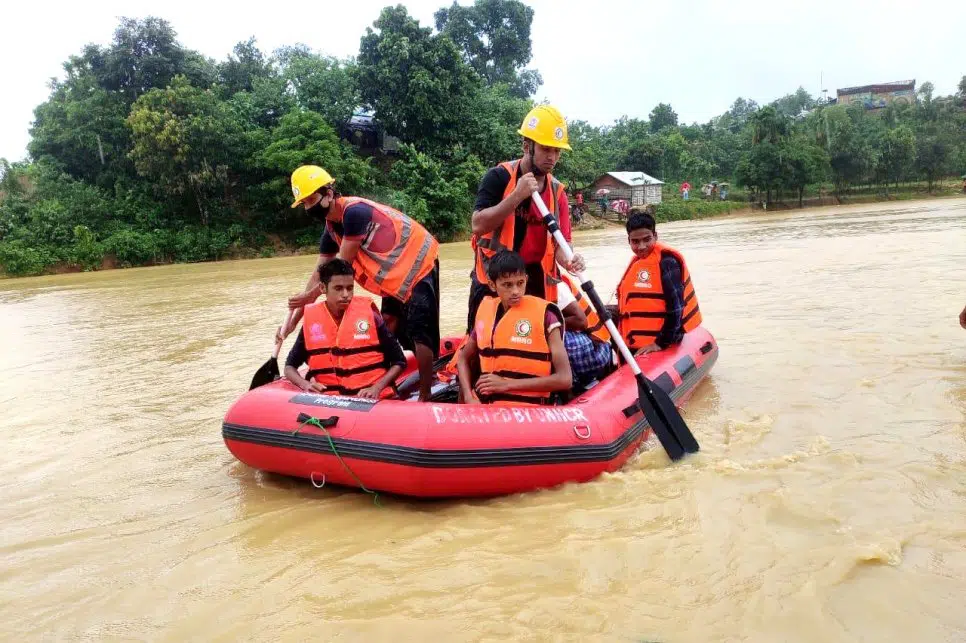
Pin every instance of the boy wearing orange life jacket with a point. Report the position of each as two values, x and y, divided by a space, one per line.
518 340
345 342
655 297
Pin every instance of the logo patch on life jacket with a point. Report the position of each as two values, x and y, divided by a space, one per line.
523 328
316 332
362 330
643 279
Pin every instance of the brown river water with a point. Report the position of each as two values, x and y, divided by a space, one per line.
828 502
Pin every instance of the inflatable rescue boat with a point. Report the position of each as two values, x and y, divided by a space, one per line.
442 449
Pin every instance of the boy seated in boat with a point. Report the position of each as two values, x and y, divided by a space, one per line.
587 340
656 300
345 342
517 341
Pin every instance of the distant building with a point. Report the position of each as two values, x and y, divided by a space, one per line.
902 92
636 187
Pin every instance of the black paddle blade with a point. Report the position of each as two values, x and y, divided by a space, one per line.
672 417
648 404
663 406
267 374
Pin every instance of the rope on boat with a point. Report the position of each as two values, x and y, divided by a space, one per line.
317 424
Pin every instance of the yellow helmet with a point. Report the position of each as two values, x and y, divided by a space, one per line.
307 179
545 125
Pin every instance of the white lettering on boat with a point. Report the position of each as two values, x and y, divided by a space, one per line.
453 414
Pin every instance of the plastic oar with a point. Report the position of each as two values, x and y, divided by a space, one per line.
268 372
658 408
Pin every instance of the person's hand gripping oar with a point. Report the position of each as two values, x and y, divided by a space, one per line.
269 372
658 408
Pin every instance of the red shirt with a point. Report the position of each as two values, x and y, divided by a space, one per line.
533 240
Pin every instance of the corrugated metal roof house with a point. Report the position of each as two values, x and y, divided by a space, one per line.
637 187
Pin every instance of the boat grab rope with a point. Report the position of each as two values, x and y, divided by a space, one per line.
325 431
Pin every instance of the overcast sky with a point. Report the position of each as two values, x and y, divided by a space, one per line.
599 60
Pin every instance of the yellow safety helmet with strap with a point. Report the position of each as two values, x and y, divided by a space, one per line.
306 180
545 125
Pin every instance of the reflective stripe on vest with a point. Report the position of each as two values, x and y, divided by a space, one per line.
641 299
501 238
516 347
393 273
595 325
344 357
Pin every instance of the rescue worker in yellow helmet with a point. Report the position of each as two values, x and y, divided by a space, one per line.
392 256
506 217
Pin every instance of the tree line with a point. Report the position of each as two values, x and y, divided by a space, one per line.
146 151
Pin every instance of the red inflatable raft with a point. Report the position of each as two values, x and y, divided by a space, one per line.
442 449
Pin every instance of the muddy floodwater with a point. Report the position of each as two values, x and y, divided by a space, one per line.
828 502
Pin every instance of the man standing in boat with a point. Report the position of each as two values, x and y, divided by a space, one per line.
506 217
392 256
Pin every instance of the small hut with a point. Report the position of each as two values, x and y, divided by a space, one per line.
636 187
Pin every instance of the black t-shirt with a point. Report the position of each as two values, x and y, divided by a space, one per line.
356 222
490 193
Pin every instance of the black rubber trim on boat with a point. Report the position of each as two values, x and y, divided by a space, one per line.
452 458
433 459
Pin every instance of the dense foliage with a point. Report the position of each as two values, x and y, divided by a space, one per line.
146 151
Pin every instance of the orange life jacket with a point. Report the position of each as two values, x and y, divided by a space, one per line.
492 242
345 357
515 347
393 273
595 325
640 297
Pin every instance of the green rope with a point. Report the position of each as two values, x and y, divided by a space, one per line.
315 422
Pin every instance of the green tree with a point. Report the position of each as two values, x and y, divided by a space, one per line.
304 137
494 36
897 154
81 128
932 156
436 200
186 140
662 116
589 158
145 55
417 82
490 129
802 162
244 68
321 84
794 104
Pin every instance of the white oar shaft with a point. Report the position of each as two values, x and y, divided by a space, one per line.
569 254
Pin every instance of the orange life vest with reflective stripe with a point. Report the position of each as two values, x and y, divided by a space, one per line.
595 325
515 347
345 357
393 273
640 297
492 242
